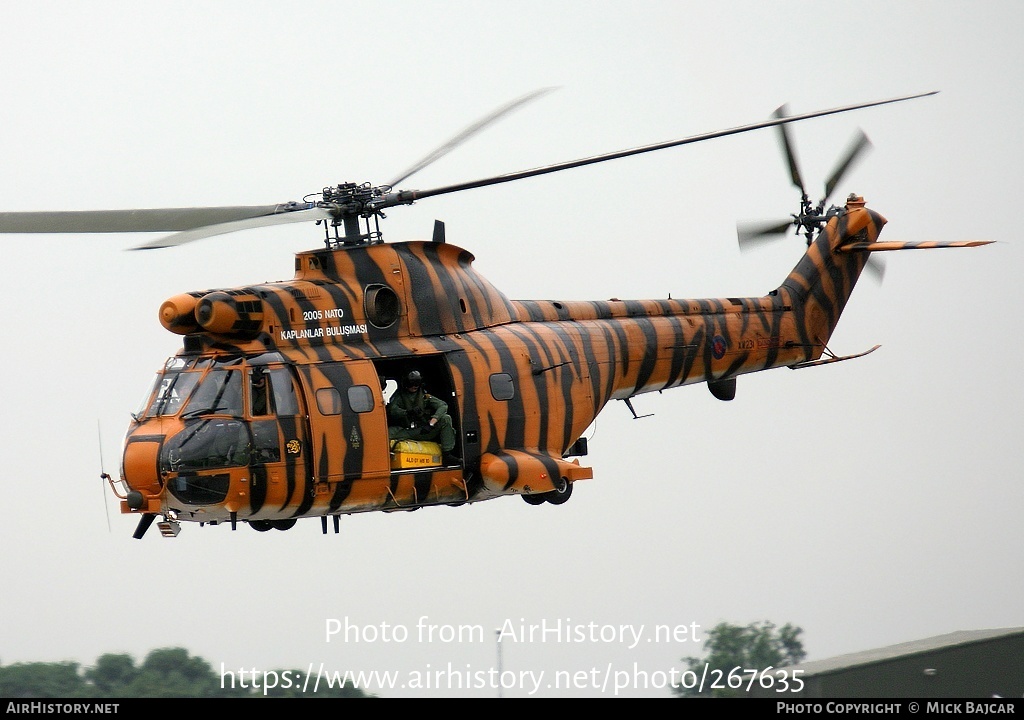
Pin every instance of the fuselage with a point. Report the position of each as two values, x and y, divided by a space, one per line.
274 409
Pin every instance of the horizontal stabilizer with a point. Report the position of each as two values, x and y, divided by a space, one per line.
924 245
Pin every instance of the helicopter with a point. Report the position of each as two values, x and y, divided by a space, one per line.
275 408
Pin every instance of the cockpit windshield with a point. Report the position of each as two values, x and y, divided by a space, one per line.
207 444
172 391
198 391
219 393
224 404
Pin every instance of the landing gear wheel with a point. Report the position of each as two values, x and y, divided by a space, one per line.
261 525
561 493
537 499
283 524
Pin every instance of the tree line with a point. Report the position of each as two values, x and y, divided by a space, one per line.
163 673
174 673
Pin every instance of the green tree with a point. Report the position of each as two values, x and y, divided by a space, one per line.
111 674
42 680
758 646
172 672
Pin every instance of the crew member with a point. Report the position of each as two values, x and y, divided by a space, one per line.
415 414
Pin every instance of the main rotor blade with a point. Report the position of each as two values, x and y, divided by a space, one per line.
787 150
205 231
754 234
404 197
145 220
470 131
857 148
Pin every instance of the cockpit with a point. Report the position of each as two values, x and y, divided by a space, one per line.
195 387
260 439
213 414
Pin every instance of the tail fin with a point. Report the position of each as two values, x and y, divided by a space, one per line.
820 285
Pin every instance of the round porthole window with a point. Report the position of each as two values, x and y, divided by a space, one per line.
381 305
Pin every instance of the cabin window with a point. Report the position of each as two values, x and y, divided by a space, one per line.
360 398
329 401
502 387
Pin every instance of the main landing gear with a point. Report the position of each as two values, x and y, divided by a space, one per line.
561 493
265 525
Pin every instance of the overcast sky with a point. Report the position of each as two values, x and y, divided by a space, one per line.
870 502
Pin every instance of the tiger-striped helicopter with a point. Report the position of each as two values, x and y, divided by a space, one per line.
275 407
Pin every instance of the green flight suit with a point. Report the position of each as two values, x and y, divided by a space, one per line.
409 416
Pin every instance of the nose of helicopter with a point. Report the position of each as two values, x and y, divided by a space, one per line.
140 472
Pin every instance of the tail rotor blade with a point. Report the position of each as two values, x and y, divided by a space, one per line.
755 234
788 151
876 266
857 148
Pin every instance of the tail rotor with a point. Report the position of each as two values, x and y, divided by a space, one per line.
854 152
811 216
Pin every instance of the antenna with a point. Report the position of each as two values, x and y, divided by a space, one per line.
629 404
103 474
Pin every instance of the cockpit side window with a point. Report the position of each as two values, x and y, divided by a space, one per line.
145 403
272 392
259 392
266 443
286 404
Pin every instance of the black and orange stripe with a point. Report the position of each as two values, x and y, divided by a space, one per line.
347 309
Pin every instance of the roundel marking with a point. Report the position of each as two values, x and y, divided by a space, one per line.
718 346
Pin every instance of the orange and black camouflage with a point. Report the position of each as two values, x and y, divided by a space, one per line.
274 409
522 379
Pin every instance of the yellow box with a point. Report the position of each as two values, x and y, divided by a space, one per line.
414 454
